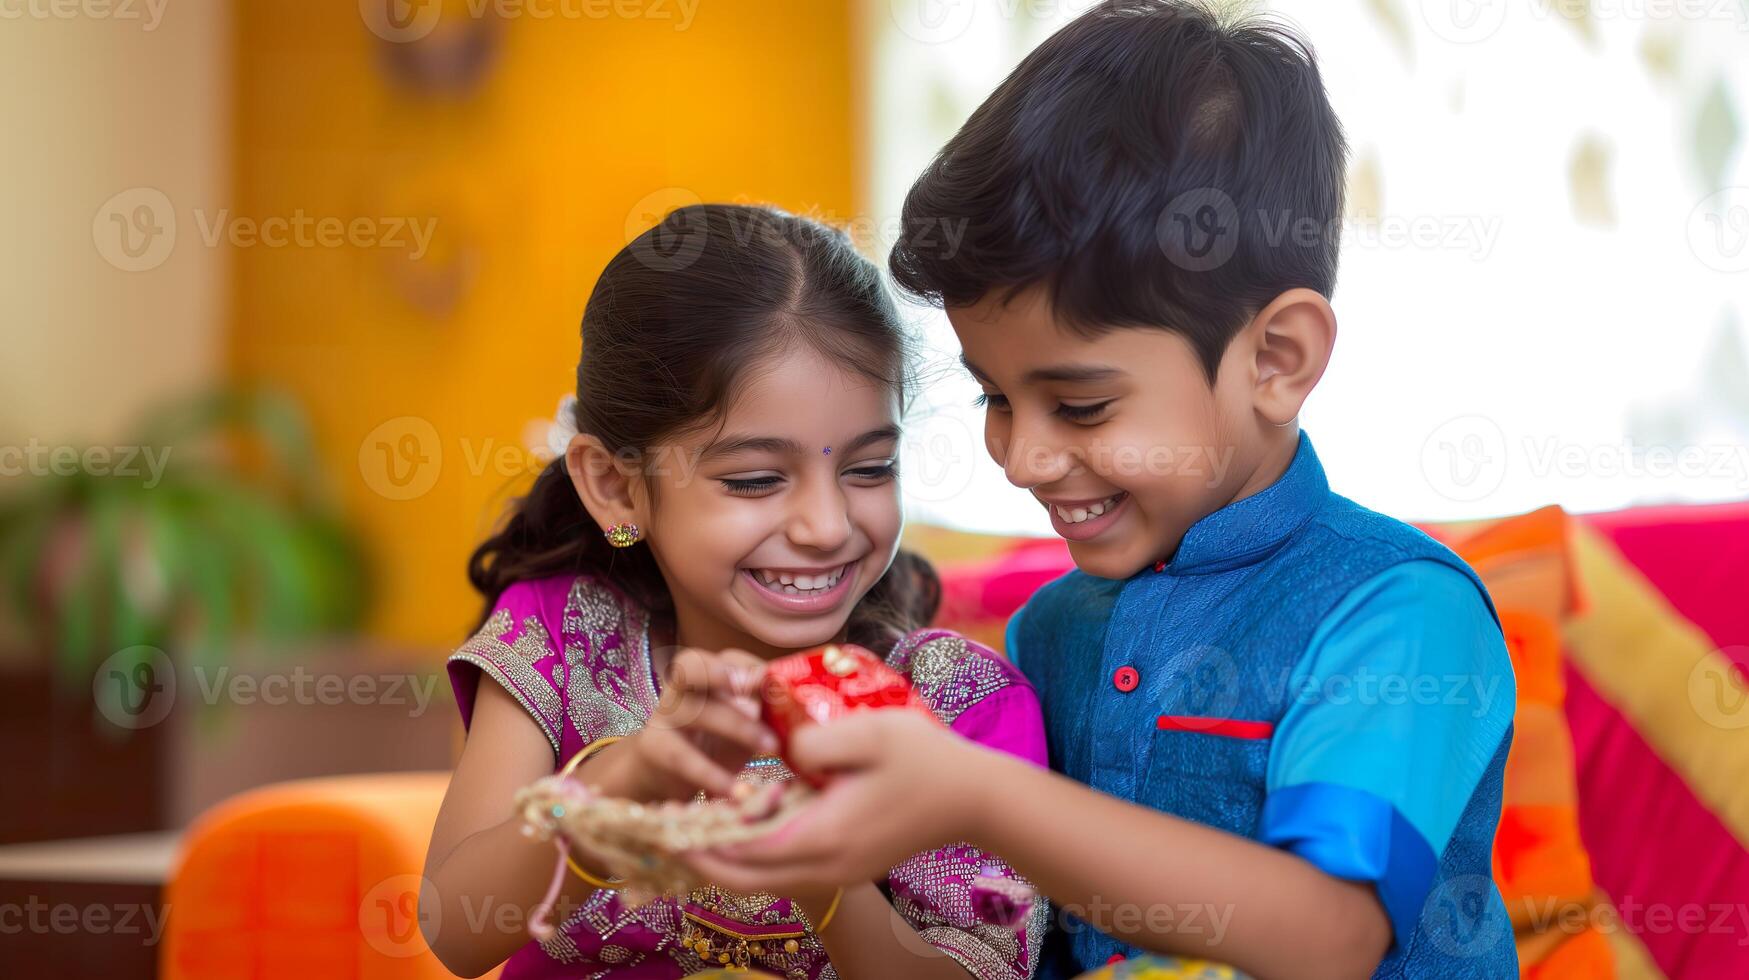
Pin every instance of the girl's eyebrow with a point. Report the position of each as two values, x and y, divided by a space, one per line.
732 445
1062 373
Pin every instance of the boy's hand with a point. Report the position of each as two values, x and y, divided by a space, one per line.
899 784
704 729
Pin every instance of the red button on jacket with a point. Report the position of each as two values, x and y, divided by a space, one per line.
1126 679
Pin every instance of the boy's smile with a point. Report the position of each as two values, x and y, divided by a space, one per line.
1083 520
1121 437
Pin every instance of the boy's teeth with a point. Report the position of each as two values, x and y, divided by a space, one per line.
1078 514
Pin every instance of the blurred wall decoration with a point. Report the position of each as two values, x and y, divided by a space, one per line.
488 189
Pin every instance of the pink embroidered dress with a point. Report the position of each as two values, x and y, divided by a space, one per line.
575 652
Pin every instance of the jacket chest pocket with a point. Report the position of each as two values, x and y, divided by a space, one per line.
1209 770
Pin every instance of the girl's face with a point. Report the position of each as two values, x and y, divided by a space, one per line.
771 526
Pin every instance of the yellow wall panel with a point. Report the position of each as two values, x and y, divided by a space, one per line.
527 183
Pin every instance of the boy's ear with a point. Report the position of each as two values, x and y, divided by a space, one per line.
1291 340
608 486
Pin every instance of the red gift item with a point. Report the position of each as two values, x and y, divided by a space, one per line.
827 683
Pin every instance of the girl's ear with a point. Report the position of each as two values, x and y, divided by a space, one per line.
1292 338
608 486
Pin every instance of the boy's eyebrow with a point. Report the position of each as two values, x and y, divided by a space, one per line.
1060 373
731 445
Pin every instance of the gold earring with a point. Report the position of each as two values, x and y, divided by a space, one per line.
624 534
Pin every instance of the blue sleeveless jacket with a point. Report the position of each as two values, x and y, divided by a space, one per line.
1165 688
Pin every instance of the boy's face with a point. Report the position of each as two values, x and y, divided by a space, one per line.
1122 439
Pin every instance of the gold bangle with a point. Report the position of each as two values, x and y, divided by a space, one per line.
571 767
831 910
586 752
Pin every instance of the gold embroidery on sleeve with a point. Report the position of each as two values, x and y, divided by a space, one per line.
512 666
607 662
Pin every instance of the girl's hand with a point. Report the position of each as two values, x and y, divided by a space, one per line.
705 727
900 784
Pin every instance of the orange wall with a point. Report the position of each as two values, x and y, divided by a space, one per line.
533 182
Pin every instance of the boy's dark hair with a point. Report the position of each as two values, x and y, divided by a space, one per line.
1154 163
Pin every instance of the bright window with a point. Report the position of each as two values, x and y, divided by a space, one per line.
1544 288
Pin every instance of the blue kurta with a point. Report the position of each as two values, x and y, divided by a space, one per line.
1308 674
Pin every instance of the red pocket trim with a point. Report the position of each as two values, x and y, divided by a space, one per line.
1231 728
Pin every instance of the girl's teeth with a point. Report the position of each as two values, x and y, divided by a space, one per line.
798 584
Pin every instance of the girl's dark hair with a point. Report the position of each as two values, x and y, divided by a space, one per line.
1166 164
670 330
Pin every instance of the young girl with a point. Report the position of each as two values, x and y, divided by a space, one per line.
732 488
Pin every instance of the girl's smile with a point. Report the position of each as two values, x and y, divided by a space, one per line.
807 592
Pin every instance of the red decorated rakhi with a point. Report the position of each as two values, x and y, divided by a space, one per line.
822 685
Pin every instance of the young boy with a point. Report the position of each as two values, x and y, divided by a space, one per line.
1283 717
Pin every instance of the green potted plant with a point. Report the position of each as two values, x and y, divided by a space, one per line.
212 526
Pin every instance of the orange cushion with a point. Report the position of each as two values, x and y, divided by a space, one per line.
315 878
1540 863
